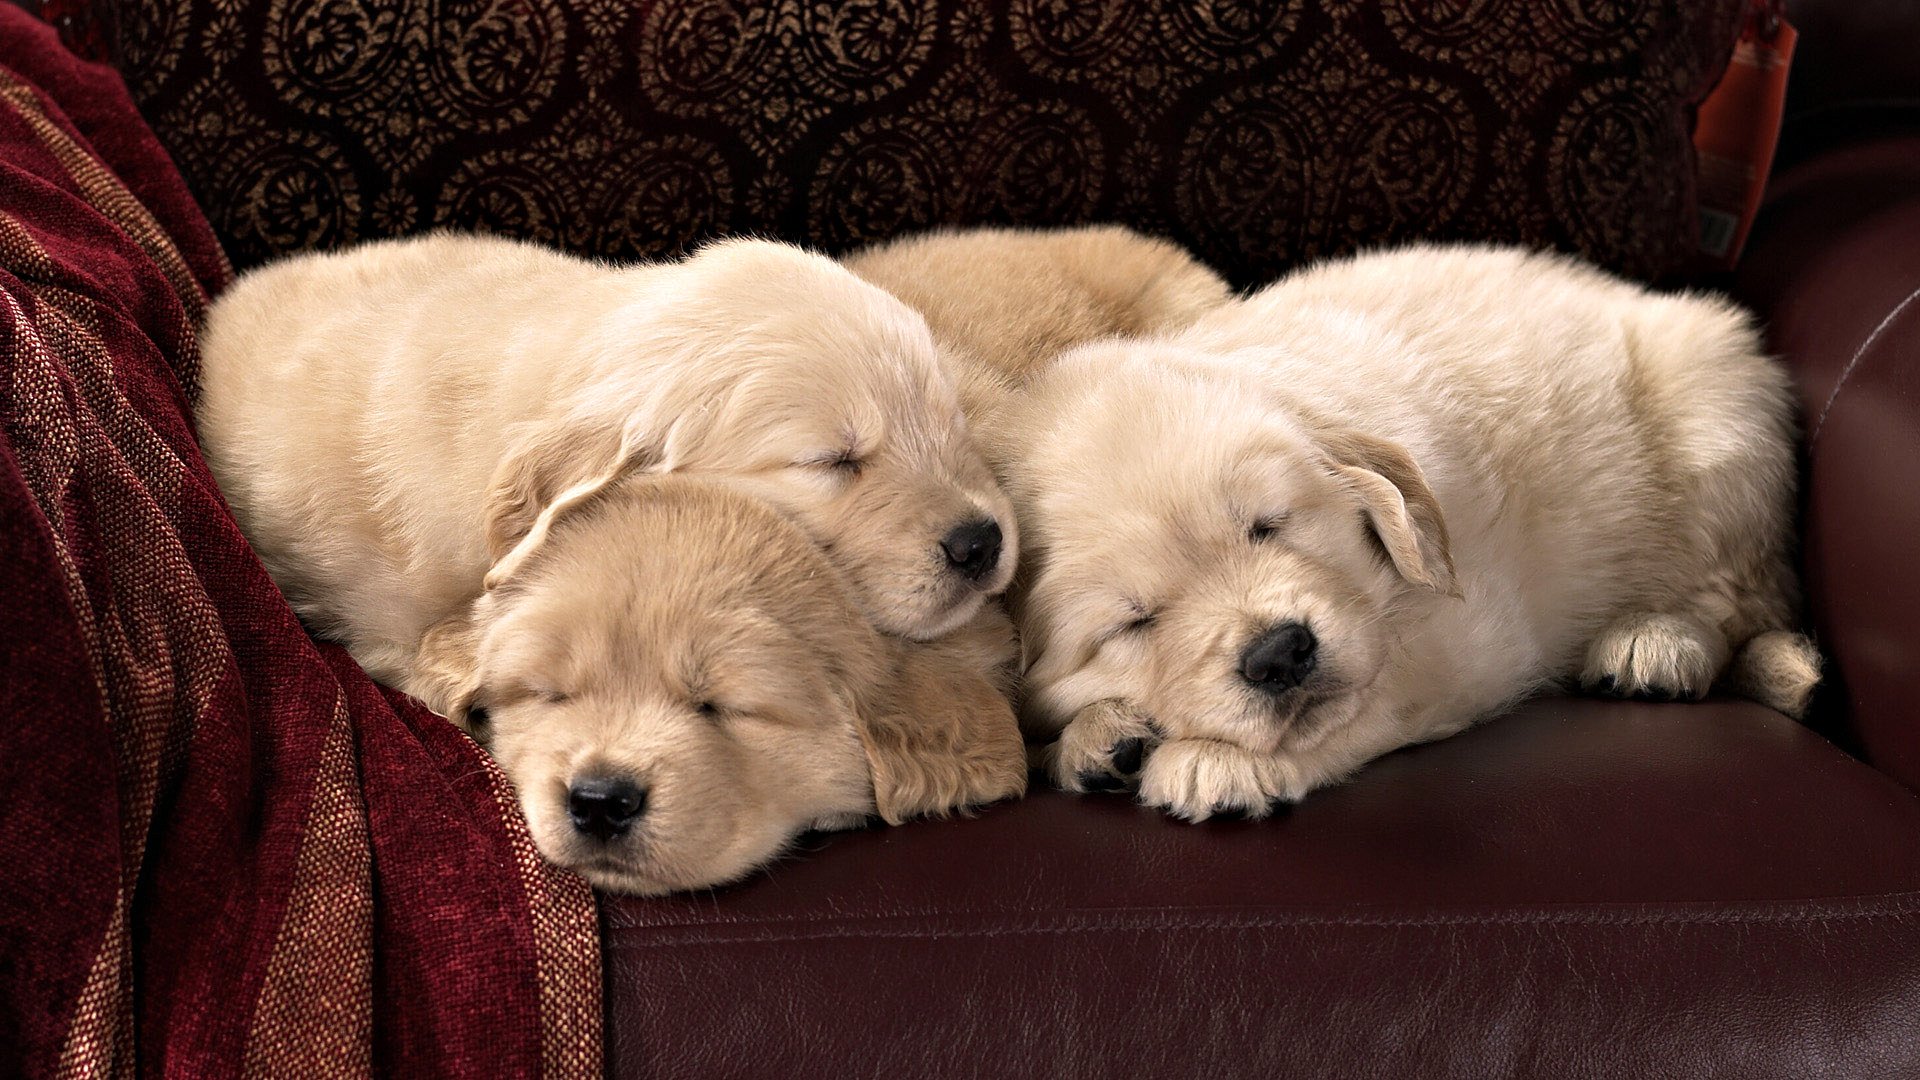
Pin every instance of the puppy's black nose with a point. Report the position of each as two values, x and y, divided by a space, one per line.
603 806
1279 659
974 548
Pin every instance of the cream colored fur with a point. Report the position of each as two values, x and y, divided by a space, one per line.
1003 301
381 419
685 636
1472 472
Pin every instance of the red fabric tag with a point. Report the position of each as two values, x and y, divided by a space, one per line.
1737 130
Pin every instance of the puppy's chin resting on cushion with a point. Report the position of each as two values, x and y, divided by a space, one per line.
1385 498
678 683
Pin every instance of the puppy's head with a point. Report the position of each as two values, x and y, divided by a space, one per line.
1236 572
800 383
677 682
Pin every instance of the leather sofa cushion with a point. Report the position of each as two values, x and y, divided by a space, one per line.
1581 889
1260 134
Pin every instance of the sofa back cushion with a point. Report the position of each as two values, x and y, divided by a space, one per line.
1260 134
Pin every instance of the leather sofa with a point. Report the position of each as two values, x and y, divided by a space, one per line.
1582 888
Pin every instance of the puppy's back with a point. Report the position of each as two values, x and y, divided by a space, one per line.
1534 356
353 403
1013 298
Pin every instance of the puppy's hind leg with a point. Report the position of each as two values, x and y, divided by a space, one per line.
1100 749
1662 657
1778 669
1715 416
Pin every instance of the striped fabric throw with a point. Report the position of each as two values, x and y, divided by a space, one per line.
223 851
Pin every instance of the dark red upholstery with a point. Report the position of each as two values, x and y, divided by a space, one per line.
1836 267
1582 889
1853 52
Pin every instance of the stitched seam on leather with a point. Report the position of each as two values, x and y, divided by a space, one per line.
1905 909
1904 900
1858 353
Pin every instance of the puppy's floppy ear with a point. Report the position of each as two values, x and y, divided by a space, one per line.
1402 509
553 466
445 674
945 738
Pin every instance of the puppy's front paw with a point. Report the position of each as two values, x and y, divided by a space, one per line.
1198 778
1101 748
1656 657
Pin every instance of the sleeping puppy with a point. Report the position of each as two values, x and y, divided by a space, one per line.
678 682
360 408
1387 497
1001 302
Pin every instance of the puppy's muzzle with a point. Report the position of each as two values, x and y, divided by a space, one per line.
973 549
604 807
1279 658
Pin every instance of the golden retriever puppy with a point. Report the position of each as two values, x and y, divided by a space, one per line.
361 408
678 681
1007 300
1384 498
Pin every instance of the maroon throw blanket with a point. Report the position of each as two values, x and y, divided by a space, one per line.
222 849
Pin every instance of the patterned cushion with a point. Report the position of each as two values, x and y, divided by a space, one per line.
1261 133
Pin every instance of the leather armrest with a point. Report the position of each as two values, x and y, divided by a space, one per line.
1834 269
1853 52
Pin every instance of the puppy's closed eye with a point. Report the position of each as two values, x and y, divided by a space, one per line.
845 463
1266 528
513 692
1139 619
